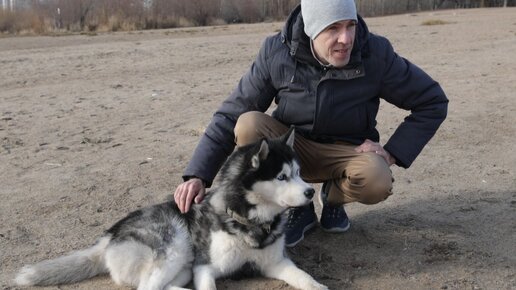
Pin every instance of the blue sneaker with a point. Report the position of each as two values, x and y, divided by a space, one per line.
300 220
333 218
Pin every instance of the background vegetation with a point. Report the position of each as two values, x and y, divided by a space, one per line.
58 16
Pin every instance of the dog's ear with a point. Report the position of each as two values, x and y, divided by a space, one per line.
262 154
288 138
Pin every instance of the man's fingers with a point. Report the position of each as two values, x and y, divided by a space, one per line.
385 155
181 203
368 146
199 196
188 192
180 197
188 198
177 197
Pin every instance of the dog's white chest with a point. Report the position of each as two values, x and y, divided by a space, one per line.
228 252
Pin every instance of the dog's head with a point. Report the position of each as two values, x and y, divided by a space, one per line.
267 174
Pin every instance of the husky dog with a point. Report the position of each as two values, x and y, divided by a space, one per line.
238 226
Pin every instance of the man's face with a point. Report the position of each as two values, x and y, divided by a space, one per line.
333 45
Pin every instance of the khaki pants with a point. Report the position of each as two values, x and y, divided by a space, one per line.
362 177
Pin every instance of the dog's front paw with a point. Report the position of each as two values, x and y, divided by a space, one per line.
317 286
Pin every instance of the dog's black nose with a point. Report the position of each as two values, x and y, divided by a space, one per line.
309 193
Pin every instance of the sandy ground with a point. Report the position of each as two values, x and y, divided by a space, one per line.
92 127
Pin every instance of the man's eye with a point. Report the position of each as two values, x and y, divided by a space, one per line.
282 177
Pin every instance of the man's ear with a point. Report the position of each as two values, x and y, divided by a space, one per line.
262 154
288 138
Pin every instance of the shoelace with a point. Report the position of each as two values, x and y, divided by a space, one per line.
334 211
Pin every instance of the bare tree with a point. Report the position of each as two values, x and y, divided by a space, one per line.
201 11
74 13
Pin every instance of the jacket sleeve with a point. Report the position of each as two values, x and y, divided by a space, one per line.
408 87
254 92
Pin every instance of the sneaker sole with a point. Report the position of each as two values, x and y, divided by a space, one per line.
307 228
337 229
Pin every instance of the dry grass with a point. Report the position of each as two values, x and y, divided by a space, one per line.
25 22
78 16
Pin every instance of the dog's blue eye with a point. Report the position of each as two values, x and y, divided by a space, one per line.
282 177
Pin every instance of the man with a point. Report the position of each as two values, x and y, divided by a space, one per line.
326 73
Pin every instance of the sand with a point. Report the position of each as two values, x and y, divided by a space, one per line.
92 127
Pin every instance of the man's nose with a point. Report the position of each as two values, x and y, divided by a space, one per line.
344 37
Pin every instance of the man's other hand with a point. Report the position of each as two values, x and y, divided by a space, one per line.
370 146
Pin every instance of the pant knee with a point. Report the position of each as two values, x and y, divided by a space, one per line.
368 181
245 128
252 126
377 192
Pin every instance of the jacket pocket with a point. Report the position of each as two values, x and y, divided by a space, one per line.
295 105
342 121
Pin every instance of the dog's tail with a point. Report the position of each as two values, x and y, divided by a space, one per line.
74 267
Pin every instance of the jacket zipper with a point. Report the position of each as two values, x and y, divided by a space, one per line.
324 72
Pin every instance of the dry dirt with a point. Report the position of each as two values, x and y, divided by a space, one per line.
92 127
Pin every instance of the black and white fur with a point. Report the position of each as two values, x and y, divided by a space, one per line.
239 224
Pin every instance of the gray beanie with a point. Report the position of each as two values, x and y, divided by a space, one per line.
319 14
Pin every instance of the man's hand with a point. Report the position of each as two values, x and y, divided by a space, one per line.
370 146
187 191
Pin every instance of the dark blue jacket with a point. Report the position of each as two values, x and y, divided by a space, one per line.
327 104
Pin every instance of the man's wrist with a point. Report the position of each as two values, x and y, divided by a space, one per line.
186 178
